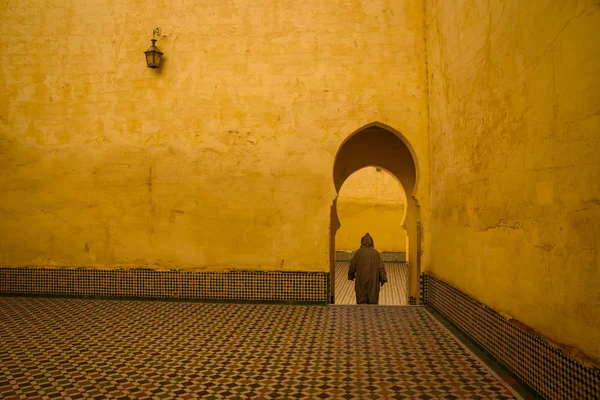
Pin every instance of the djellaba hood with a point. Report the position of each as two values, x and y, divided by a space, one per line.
366 241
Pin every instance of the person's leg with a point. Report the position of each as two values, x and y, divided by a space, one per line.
361 299
374 298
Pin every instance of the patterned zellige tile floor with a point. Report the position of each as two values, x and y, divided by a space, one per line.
393 293
53 348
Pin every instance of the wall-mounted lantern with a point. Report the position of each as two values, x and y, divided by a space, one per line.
153 54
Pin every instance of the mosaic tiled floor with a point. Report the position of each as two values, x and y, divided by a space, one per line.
393 293
74 349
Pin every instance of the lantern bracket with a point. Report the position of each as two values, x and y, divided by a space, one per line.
153 54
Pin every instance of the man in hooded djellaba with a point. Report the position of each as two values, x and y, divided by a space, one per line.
368 270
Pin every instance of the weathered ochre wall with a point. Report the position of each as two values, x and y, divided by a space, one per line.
371 200
515 194
222 158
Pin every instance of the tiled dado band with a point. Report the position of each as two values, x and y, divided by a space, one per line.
535 361
149 283
386 256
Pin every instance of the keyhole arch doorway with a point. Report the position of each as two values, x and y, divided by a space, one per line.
380 145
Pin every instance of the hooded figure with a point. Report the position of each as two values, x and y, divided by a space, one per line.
366 266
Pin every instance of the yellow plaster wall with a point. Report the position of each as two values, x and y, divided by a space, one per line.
514 119
371 200
222 158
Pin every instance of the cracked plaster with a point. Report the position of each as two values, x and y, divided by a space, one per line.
514 121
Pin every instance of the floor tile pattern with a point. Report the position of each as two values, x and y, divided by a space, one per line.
75 348
545 368
395 292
